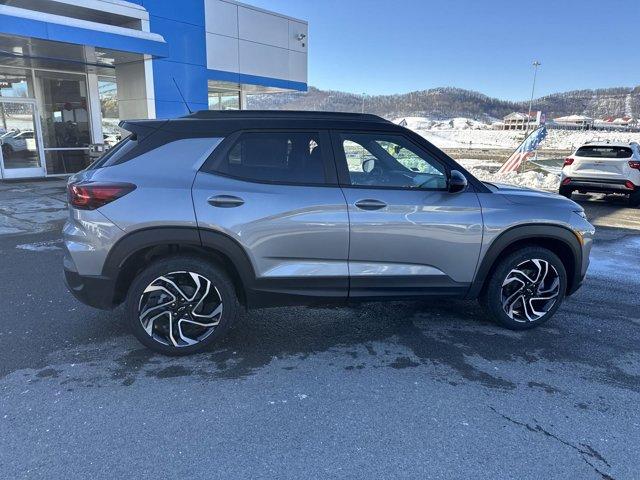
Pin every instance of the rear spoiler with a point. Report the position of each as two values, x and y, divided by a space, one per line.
142 128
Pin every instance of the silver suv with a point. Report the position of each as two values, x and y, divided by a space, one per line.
186 221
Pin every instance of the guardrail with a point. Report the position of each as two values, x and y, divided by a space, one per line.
500 154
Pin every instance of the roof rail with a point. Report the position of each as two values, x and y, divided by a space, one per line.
259 114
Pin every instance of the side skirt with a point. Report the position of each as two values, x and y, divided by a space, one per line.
333 291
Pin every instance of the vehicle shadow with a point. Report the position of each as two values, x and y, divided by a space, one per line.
453 334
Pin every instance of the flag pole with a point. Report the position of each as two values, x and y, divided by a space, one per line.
535 64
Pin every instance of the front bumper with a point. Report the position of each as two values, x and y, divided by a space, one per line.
585 233
95 291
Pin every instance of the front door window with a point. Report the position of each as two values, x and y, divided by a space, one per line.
389 160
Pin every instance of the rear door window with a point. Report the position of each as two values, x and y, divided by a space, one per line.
276 157
604 152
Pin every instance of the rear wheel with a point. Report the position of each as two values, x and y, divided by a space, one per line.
180 305
565 191
525 289
634 198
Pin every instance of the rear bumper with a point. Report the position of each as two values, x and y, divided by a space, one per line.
95 291
598 185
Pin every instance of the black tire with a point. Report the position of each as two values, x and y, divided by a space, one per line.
565 191
492 295
224 289
634 198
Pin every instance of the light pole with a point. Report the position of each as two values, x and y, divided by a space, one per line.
363 95
535 64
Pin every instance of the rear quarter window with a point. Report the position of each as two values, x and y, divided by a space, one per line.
115 153
604 152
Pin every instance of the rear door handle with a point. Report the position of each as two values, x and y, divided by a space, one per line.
225 201
370 204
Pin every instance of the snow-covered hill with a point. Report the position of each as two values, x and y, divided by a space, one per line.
425 123
447 102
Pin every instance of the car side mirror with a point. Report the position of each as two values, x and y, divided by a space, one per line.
368 165
457 182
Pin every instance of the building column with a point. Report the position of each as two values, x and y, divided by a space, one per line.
95 109
243 100
136 98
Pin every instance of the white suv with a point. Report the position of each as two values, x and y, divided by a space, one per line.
603 167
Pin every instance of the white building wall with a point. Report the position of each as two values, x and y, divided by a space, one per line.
247 40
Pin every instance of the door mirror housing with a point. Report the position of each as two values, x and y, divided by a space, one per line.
457 182
368 165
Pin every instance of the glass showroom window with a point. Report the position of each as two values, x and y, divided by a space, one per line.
15 83
224 99
108 90
65 121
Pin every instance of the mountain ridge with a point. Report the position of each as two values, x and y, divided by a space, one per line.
443 103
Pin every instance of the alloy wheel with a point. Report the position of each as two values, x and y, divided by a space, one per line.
530 290
180 309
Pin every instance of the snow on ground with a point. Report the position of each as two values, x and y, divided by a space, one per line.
468 133
487 171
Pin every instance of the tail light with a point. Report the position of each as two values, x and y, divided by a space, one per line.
629 184
634 164
89 196
568 161
566 181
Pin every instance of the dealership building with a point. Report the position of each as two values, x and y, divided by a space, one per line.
70 70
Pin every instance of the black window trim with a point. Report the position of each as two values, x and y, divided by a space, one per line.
344 178
212 164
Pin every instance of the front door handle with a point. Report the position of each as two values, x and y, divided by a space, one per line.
225 201
370 204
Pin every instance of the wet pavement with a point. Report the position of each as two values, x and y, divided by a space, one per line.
401 390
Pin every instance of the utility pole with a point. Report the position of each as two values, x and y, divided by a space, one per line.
363 95
535 64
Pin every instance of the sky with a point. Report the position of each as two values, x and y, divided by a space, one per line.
397 46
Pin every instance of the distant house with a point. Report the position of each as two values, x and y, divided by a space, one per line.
521 121
578 122
617 123
625 121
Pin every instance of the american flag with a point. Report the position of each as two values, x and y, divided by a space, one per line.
524 151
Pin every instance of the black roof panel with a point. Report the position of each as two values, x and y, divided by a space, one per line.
282 115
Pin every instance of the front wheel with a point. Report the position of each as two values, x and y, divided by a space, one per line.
180 305
525 289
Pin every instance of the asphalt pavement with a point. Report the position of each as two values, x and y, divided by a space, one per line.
403 390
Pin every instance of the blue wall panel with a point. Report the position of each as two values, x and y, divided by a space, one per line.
187 43
176 109
187 11
27 27
182 26
190 78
